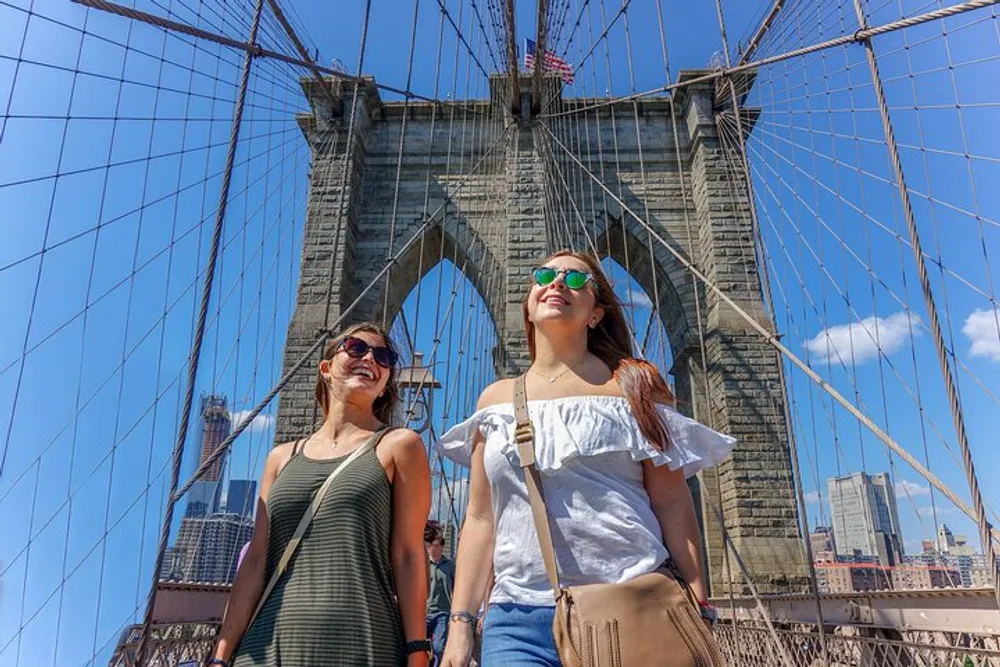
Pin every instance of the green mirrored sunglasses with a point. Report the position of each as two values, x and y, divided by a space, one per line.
573 278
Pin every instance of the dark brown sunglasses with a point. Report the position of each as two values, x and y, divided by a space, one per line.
356 348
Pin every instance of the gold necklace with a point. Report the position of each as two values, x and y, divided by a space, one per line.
335 442
550 379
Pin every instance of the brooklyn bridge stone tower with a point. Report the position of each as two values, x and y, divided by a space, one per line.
351 218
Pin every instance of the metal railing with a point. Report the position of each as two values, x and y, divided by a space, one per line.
745 645
748 646
173 645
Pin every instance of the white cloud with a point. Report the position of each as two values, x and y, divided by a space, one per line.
862 340
981 329
906 488
929 511
260 423
812 496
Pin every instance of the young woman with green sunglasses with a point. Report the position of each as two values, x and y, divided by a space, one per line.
612 453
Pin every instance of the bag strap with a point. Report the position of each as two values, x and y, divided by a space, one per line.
524 436
300 530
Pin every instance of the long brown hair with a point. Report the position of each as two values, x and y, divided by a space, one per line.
610 341
385 405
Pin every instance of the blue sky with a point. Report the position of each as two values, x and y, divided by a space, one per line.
112 299
824 188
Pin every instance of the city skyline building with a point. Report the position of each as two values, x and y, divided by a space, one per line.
242 497
205 495
821 541
215 427
953 545
450 539
208 541
865 516
945 539
207 549
973 568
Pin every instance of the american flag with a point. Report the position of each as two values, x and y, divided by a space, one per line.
553 63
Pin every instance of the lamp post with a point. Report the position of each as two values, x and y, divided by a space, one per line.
416 384
416 411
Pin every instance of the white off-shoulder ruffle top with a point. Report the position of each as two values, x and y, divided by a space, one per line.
589 452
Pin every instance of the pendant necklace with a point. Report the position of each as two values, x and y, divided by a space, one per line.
550 379
335 442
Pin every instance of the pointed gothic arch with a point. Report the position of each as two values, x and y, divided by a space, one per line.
671 286
651 339
453 241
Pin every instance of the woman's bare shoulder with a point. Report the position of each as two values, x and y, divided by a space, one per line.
501 391
278 457
403 439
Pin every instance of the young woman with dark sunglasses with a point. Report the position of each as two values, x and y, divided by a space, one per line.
612 455
356 589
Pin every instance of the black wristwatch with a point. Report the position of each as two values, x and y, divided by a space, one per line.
419 646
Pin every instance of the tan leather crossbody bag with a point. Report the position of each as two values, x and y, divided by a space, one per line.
650 621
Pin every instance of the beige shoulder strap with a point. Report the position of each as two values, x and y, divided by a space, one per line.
300 530
524 436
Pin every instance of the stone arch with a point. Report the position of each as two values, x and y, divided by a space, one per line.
651 337
469 253
673 288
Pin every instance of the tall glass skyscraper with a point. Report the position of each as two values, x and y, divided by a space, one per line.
242 497
865 517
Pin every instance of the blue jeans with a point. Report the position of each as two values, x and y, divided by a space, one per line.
437 632
519 635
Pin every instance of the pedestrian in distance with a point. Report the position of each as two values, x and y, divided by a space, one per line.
442 580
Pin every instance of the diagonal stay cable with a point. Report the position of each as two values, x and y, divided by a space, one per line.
872 334
761 31
776 343
109 291
248 47
761 260
863 212
461 37
854 38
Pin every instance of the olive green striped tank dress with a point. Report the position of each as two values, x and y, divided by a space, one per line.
336 603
